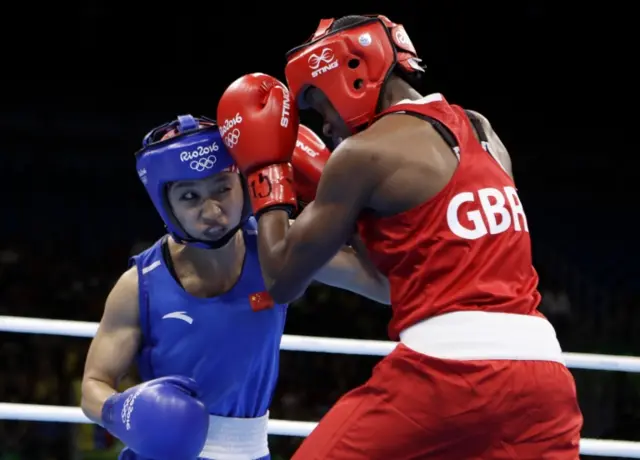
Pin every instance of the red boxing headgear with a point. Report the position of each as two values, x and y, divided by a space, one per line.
350 65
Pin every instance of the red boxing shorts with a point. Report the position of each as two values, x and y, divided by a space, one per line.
418 407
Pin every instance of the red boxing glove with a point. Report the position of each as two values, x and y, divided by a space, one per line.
309 158
258 122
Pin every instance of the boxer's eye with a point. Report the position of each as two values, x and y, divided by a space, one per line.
189 196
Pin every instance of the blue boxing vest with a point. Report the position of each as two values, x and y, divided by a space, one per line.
228 344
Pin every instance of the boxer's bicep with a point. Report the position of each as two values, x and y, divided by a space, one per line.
114 346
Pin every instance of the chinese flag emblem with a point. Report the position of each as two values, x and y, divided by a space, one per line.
261 301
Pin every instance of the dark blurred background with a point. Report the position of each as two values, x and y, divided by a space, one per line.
82 84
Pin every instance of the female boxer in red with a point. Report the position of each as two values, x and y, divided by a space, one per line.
478 373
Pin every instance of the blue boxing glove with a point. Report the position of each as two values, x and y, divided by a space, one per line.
160 419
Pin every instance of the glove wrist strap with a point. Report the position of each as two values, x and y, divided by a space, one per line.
272 186
107 410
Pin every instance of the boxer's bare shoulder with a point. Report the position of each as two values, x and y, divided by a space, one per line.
122 302
495 144
407 158
118 335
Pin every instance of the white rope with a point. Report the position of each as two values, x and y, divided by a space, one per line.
42 413
306 343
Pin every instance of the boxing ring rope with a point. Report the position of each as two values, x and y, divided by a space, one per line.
46 413
306 343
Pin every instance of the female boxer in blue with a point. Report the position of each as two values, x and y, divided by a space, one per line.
192 311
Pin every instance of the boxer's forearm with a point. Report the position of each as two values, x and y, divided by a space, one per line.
272 246
94 394
290 256
347 270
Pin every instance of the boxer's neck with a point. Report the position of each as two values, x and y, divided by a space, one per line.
397 90
226 256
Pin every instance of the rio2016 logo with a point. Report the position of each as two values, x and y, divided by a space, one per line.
198 152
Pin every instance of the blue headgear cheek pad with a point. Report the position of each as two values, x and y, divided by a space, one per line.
190 156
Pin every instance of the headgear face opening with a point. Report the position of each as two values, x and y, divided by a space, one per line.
184 149
350 65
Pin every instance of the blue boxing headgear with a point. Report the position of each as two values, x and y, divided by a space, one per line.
194 152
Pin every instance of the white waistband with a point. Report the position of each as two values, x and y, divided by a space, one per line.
477 335
232 438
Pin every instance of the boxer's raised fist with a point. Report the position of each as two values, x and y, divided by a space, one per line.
258 123
309 158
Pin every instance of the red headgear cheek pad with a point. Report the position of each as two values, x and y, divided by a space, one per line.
350 65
